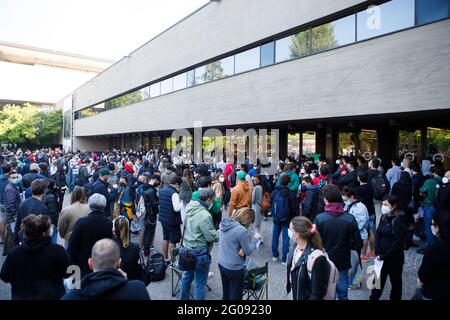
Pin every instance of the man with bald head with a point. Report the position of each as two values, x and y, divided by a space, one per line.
107 282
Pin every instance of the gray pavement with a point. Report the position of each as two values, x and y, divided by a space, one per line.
277 273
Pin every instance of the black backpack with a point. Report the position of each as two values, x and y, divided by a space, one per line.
380 187
157 266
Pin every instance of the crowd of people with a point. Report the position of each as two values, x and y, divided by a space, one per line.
331 218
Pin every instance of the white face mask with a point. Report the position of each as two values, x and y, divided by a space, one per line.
338 162
434 231
444 180
385 209
50 234
348 202
291 234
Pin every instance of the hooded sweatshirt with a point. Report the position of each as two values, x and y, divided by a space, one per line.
200 232
233 237
108 284
36 269
241 196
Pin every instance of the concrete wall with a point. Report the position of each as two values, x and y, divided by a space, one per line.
216 29
402 72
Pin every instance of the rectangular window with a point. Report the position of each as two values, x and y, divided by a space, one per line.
222 68
145 93
292 47
166 86
203 74
431 10
191 78
309 143
388 17
247 60
179 81
333 34
155 90
267 54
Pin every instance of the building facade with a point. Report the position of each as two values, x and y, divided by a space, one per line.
334 76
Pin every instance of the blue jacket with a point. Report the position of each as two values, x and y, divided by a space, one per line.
30 206
310 203
3 183
12 200
30 177
167 214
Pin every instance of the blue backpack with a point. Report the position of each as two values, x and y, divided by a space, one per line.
280 207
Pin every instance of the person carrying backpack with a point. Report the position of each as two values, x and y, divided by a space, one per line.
380 188
284 208
311 275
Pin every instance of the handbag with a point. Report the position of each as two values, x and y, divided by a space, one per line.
265 206
186 258
146 271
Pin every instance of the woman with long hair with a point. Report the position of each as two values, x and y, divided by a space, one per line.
129 252
306 284
186 187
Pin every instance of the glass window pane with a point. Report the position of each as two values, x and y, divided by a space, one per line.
190 78
247 60
267 54
334 34
431 10
293 145
166 86
179 81
155 90
145 93
222 68
409 143
347 143
438 145
368 144
292 47
309 143
388 17
203 74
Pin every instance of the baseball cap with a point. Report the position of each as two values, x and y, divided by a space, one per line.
241 175
104 172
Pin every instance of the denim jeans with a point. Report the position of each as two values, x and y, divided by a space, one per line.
277 229
200 278
428 213
55 234
342 286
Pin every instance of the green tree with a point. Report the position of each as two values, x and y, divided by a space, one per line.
318 39
19 124
50 126
299 45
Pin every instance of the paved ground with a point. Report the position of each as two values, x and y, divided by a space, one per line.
277 274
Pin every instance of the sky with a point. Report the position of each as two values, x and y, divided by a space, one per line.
107 29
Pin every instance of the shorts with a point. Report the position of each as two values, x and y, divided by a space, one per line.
371 225
3 216
171 233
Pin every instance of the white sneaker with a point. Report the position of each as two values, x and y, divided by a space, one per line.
283 263
275 259
210 275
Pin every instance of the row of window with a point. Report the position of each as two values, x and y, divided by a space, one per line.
375 21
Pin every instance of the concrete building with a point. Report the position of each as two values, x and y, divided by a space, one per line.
335 76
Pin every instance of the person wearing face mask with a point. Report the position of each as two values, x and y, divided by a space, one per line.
389 245
357 209
217 186
187 185
433 273
350 179
169 215
102 187
198 238
126 199
234 246
12 200
37 267
308 280
443 194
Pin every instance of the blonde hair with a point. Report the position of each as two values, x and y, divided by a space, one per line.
122 230
244 216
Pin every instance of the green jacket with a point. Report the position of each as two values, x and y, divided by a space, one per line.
200 232
216 207
430 191
295 181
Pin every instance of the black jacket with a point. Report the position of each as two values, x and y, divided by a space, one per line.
36 269
350 180
404 193
340 234
298 280
86 232
365 195
293 202
434 272
101 187
30 177
151 200
130 260
108 284
443 197
30 206
12 200
60 179
310 203
51 201
390 237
